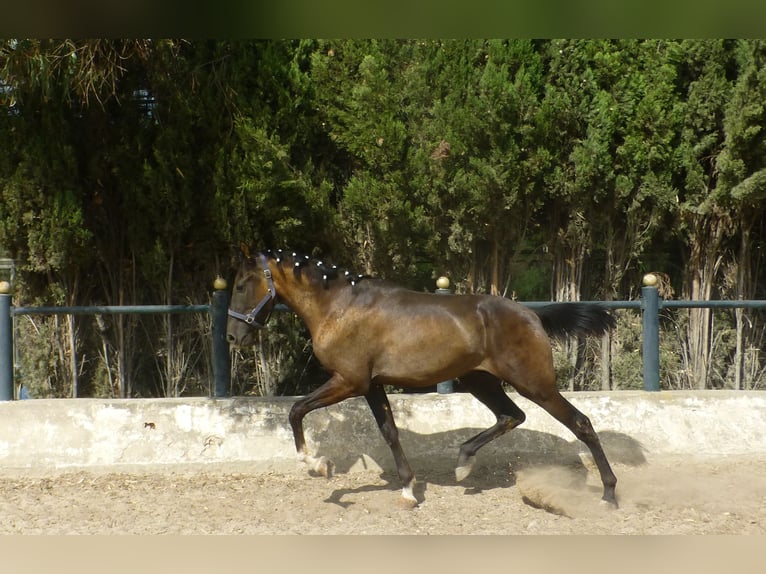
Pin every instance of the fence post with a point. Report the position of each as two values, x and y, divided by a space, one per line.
6 343
650 316
442 288
221 363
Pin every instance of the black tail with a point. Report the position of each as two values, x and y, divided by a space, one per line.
561 319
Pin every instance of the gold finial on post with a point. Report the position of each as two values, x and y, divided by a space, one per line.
650 280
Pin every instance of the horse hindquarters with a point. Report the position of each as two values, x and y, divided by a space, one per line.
527 364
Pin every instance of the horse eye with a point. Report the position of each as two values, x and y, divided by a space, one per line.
239 288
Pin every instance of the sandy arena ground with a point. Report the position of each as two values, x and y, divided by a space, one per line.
660 496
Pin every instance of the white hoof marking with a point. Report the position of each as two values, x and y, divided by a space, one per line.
461 472
321 465
408 498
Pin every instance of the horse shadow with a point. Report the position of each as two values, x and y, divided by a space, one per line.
433 459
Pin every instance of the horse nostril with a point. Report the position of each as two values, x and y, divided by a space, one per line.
231 338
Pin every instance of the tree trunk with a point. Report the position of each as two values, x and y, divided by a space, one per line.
71 335
72 340
743 290
612 276
171 386
494 288
567 277
118 343
704 264
266 380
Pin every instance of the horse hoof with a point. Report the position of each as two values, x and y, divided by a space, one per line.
462 471
407 500
610 504
324 467
321 466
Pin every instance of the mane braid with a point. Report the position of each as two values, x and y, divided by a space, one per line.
315 267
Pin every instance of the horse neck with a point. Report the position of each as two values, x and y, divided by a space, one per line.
307 299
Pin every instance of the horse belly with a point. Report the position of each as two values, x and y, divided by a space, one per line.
414 359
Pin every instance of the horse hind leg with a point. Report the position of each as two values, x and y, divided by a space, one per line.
381 409
581 427
489 390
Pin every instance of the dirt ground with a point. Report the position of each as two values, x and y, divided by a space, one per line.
661 496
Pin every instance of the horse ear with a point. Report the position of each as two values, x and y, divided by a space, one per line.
244 250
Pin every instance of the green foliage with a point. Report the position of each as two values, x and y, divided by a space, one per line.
41 370
540 169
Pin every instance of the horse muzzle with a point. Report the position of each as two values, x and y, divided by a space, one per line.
239 335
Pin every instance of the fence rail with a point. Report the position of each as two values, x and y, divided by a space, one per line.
650 305
112 310
217 311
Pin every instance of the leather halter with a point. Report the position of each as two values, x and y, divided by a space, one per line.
250 318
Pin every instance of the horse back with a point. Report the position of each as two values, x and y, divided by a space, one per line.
418 338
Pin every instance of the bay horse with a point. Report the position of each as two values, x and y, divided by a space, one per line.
368 333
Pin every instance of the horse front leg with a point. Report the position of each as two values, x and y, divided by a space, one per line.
381 409
333 391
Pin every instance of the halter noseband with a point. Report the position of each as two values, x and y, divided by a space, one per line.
249 318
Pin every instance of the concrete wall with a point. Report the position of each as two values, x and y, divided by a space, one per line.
45 435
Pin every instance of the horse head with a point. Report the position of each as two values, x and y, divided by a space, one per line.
252 300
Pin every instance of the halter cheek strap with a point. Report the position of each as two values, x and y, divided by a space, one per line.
250 318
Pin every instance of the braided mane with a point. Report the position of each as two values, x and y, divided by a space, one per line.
315 269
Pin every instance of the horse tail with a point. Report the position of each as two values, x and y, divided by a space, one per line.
561 319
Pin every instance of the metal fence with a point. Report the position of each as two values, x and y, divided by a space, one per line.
217 311
650 305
